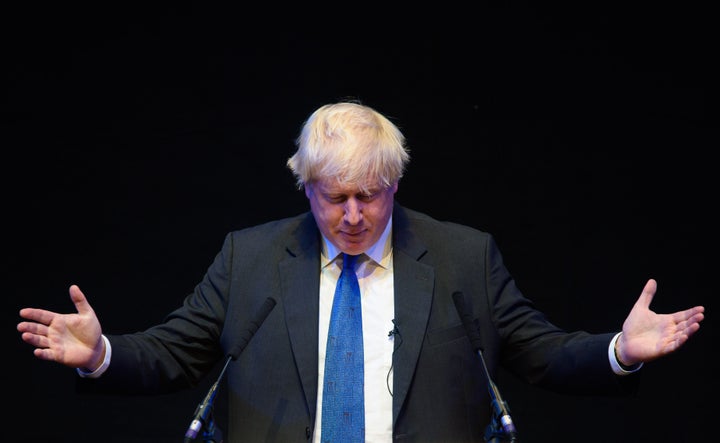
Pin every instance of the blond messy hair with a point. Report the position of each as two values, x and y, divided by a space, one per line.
352 143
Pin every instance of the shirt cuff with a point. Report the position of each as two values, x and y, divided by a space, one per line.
617 367
103 367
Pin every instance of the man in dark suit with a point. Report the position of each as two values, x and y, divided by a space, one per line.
423 379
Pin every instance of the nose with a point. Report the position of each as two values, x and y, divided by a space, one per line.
353 211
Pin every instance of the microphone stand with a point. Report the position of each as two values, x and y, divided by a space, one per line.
204 414
501 428
209 433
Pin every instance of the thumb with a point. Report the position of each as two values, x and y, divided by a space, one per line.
647 294
78 298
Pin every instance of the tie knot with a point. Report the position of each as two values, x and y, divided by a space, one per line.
349 261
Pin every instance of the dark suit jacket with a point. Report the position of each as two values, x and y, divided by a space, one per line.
439 391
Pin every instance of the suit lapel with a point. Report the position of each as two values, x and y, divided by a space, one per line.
413 297
300 282
414 282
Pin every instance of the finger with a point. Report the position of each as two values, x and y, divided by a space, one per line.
32 328
693 324
39 341
647 294
690 316
44 354
698 313
691 329
37 315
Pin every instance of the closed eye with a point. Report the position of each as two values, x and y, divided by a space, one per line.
366 197
341 198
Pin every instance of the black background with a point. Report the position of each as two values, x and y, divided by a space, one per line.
580 136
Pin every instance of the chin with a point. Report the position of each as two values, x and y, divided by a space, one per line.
355 248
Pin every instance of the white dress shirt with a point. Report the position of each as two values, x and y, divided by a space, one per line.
375 276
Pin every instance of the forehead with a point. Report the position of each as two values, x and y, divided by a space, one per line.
334 186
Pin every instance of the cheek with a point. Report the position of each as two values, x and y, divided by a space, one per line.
377 216
381 209
327 213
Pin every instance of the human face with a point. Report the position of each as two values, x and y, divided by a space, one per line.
350 219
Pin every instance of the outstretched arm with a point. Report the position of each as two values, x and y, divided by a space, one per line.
647 335
70 339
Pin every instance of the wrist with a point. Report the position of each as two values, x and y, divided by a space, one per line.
620 362
98 361
99 367
618 356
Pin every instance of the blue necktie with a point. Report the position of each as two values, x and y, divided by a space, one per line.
343 406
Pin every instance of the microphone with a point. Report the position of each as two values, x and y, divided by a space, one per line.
394 330
205 407
499 405
255 323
